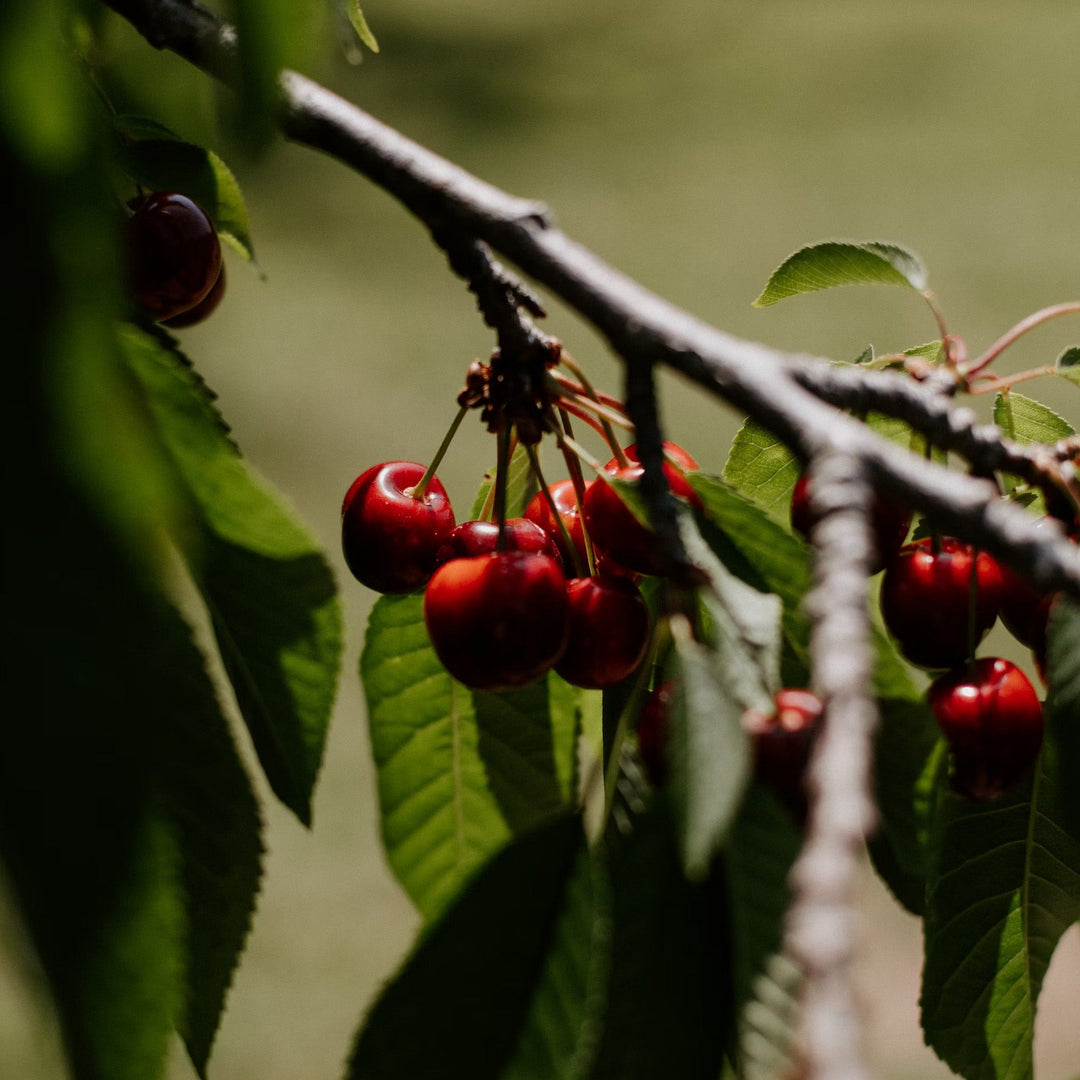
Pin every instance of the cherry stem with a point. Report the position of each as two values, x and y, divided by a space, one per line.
573 467
1018 331
581 414
939 318
565 440
502 467
420 488
989 383
590 393
607 414
568 543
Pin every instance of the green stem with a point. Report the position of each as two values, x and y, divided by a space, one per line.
573 467
421 486
502 467
601 412
568 543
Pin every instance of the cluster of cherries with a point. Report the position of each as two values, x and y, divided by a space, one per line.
175 270
939 599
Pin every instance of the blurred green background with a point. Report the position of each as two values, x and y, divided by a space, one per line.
693 144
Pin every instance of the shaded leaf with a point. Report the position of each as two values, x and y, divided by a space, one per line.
156 158
1004 886
458 1006
758 857
520 486
866 356
833 263
708 752
266 585
1068 364
667 1010
1063 701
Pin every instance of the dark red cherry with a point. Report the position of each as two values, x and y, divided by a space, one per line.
652 725
889 520
498 621
390 538
539 512
1025 609
609 631
482 537
174 253
993 722
677 462
783 742
925 599
203 309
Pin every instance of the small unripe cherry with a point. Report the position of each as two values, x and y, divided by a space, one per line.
498 621
389 537
482 537
926 600
609 631
173 251
992 719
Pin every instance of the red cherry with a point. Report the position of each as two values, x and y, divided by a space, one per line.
203 309
993 722
652 732
500 620
174 253
925 598
389 538
539 512
482 537
676 462
889 520
783 742
1025 609
609 631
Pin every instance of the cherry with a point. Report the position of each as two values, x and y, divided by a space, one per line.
539 512
614 529
993 722
889 521
652 732
925 600
390 538
482 537
1025 609
500 620
677 462
609 631
783 742
203 309
174 253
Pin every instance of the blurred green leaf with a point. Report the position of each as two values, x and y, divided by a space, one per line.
1025 420
520 486
459 1005
1068 364
157 159
1063 700
1004 886
758 857
270 595
360 25
833 263
933 351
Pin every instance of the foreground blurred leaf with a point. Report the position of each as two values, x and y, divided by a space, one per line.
360 25
832 263
459 1005
270 595
1063 701
1004 886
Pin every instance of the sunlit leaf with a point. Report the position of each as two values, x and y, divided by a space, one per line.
360 25
832 263
1025 420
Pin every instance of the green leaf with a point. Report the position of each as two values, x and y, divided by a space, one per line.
520 486
156 158
933 351
707 750
1004 886
360 25
269 592
1025 420
1068 364
758 857
459 1005
866 356
1063 701
764 469
440 820
667 1004
833 263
